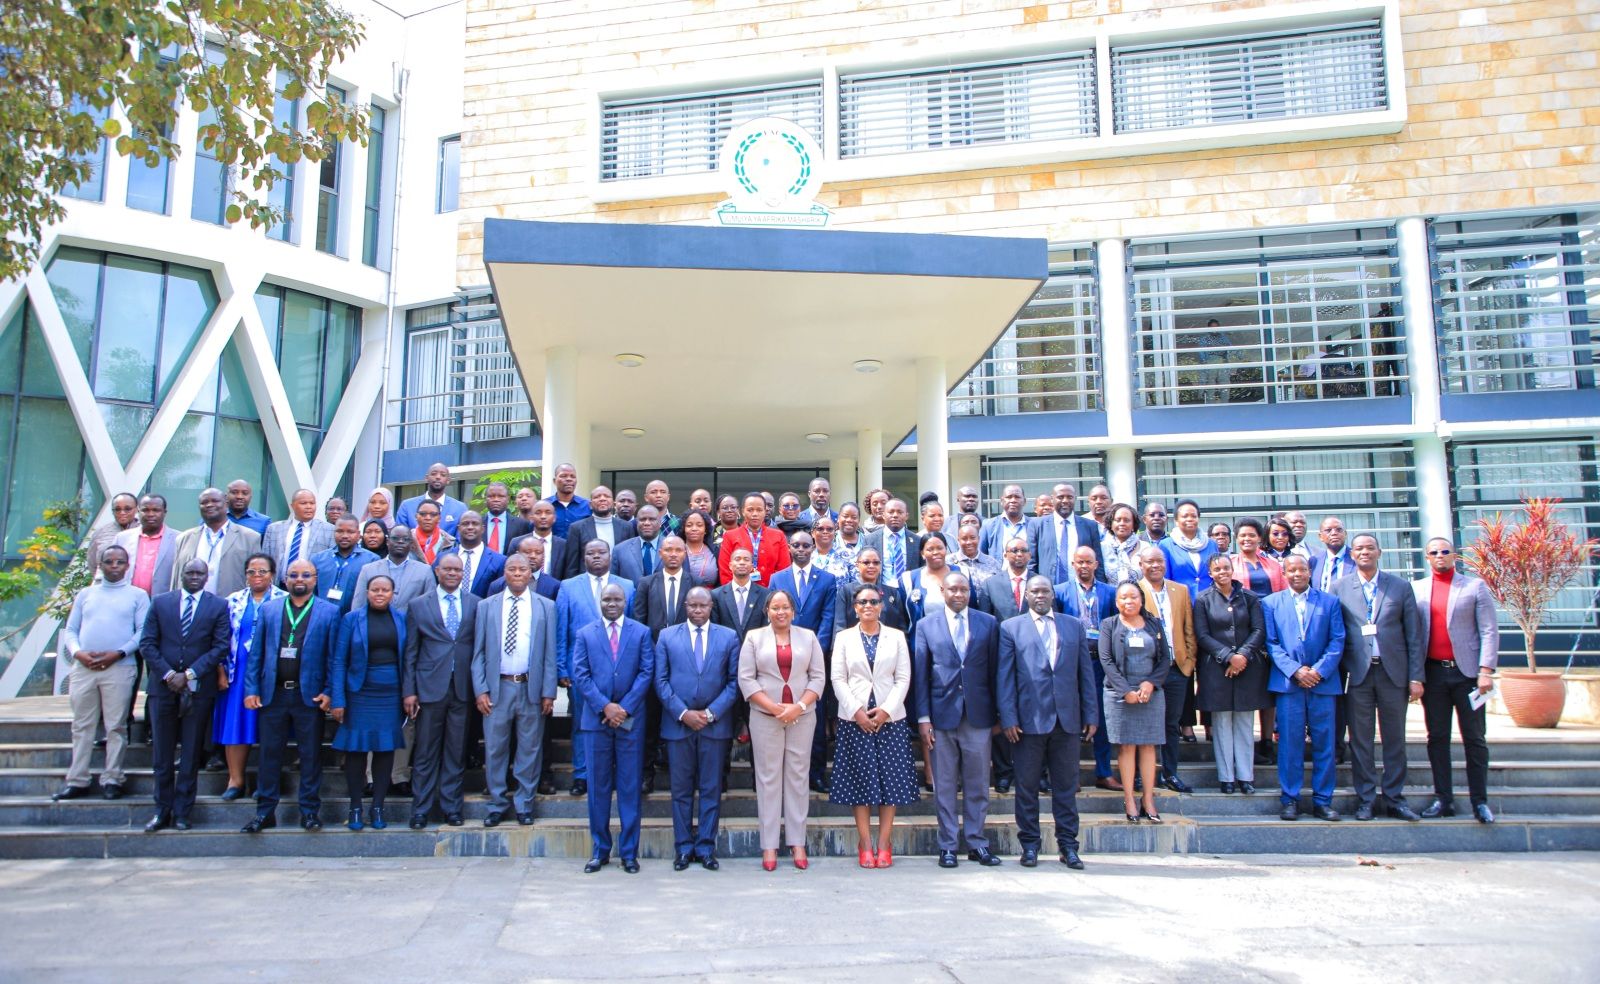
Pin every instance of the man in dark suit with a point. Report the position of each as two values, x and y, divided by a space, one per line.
1005 596
561 555
501 527
286 682
740 604
481 564
436 687
896 546
1048 705
953 670
1053 539
1088 599
658 603
1383 654
186 636
819 492
602 523
1305 641
613 666
577 605
638 557
697 681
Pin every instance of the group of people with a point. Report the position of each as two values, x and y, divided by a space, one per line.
996 650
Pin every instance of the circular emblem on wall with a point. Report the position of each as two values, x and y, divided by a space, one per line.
769 167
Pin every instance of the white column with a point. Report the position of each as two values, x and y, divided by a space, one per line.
1120 478
841 480
1116 368
965 469
869 459
1433 486
1422 341
933 428
558 417
588 472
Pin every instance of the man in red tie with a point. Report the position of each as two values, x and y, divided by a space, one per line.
500 525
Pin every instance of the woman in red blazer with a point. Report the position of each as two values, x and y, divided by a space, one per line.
765 543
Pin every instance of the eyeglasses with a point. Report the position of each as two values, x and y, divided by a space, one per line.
258 572
298 575
868 601
1440 553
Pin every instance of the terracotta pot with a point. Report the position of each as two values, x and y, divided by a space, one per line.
1534 700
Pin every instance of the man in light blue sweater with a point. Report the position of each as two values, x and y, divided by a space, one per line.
100 637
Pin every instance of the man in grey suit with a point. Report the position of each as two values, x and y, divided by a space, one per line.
1053 539
1048 707
1383 660
636 558
300 537
436 683
224 546
1461 643
412 578
514 676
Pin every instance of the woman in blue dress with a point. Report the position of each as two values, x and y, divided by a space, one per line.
365 684
233 726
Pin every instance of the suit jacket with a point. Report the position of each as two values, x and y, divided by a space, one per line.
433 665
275 543
488 647
1222 627
1030 694
650 602
1400 650
1320 558
1321 647
887 679
575 608
725 608
770 559
1181 568
684 686
165 647
992 536
167 574
582 531
487 566
450 510
1474 627
512 526
997 596
948 686
809 515
415 578
844 611
758 665
332 575
627 558
603 678
561 557
1114 652
876 538
1180 619
238 543
1069 602
815 612
348 671
318 635
1043 545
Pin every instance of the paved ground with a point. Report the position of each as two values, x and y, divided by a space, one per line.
1189 920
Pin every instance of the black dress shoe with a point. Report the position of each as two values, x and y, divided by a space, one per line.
947 859
580 787
680 863
1176 784
649 785
1070 858
454 819
596 863
366 790
1364 811
710 862
1290 811
1327 813
819 786
525 819
493 818
418 821
630 865
1030 858
546 787
259 823
1401 811
182 823
984 857
1437 809
232 793
112 791
1003 786
1483 813
1247 788
401 789
311 823
158 822
215 764
1226 787
70 793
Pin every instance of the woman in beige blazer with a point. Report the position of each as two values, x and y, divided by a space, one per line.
781 674
872 763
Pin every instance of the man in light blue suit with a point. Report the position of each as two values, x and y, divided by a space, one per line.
613 666
577 605
1305 638
1089 600
697 679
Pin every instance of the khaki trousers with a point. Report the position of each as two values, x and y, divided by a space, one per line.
782 759
100 696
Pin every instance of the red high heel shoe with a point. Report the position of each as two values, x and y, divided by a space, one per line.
867 860
800 860
770 864
886 858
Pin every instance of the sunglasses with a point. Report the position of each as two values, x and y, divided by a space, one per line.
868 601
1440 553
299 575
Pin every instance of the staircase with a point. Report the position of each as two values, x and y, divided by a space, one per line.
1544 788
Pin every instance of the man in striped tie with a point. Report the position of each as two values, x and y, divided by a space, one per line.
300 537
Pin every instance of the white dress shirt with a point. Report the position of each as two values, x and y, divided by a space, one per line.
471 560
444 606
517 661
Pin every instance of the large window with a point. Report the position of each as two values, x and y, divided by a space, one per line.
149 184
1048 360
1279 318
683 134
286 116
461 383
449 174
1518 300
1046 98
372 217
91 188
1038 476
425 408
1372 489
1494 477
1241 78
209 201
330 173
316 342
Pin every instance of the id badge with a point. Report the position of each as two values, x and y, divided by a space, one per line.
335 594
1369 629
1136 642
288 652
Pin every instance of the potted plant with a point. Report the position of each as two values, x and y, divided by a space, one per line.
1525 567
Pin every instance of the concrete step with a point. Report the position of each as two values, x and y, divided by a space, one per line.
829 838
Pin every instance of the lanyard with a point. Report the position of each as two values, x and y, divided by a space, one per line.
755 544
294 619
1370 589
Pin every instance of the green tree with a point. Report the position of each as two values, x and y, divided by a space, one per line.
66 64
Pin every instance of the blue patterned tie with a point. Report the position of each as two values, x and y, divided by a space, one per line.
1064 554
188 615
897 556
699 648
961 633
452 617
649 551
294 544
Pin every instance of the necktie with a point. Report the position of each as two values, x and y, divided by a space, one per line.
897 555
1064 552
1330 573
188 614
738 594
546 566
648 549
961 633
1300 613
452 616
466 569
699 648
511 627
1044 637
672 596
599 586
1370 589
494 534
294 544
613 638
802 581
1017 590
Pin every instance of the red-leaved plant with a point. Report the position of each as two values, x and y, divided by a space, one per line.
1525 567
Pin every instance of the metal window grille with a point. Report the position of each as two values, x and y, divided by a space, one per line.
661 135
461 382
1371 489
1038 476
1281 318
1518 301
1048 360
1046 98
1338 68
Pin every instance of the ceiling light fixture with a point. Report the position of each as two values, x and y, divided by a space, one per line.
629 360
868 365
633 432
817 438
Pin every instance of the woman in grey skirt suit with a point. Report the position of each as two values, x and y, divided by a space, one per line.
1231 669
1134 655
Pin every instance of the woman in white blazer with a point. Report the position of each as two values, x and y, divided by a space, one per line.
781 674
872 755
